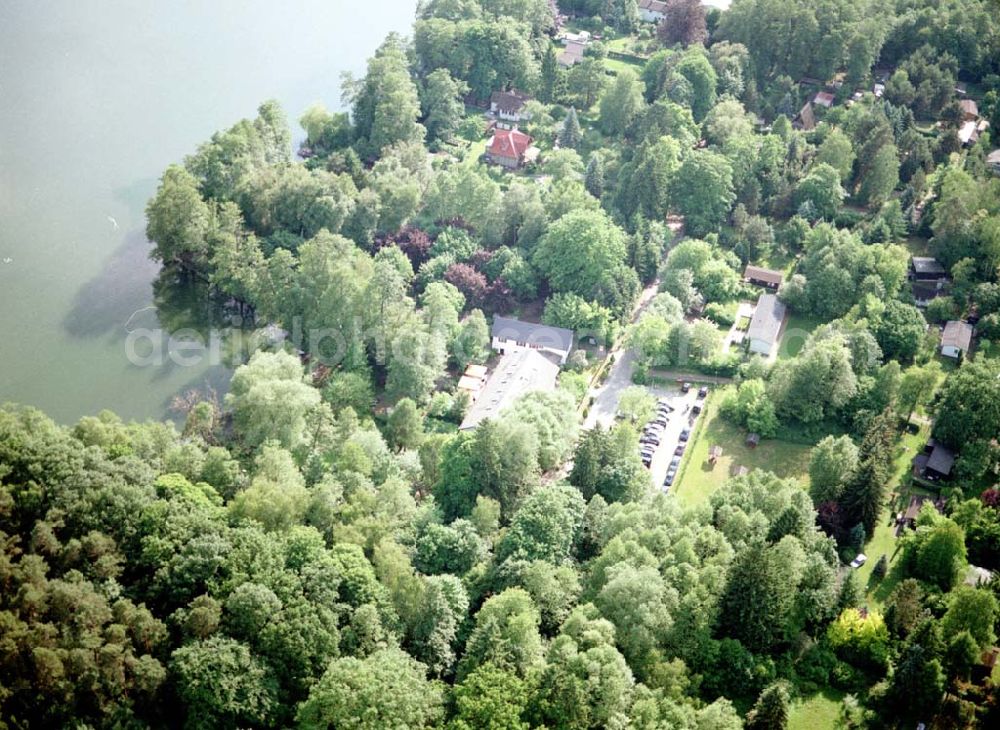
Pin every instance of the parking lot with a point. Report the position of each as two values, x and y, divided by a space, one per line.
682 417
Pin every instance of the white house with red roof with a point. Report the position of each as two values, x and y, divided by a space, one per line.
510 148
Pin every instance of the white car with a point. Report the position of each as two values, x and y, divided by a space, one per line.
859 561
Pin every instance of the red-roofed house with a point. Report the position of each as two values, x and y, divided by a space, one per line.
510 148
824 99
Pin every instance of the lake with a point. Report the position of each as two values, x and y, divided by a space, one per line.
97 97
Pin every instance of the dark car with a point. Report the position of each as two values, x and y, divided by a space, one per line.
669 481
696 409
679 451
664 404
685 434
646 461
661 422
650 439
685 387
703 391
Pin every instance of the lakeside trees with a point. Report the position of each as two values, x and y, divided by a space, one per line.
325 550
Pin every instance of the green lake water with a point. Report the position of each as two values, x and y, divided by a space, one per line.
96 98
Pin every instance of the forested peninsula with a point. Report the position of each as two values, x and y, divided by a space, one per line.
627 365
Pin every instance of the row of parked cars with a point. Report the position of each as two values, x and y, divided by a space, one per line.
652 435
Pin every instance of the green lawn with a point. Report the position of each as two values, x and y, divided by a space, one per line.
699 478
797 329
821 711
883 542
616 65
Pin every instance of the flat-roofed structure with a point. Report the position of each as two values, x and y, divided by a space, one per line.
765 326
517 373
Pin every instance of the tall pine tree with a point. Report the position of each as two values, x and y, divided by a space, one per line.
864 495
570 134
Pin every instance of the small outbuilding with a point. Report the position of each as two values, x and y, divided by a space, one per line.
714 454
993 161
753 439
763 277
956 339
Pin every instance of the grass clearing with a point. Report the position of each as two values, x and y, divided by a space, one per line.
884 541
820 711
797 330
699 479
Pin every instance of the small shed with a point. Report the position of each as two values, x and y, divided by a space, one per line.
741 471
956 339
714 454
753 439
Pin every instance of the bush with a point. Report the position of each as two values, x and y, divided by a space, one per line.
721 314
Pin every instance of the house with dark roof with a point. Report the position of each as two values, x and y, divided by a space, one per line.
935 462
763 277
765 325
514 335
509 105
510 148
518 372
956 339
927 268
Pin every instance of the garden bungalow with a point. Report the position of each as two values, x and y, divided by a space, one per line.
763 277
956 339
765 325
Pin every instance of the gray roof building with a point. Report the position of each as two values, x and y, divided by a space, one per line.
517 373
957 337
529 334
927 267
941 460
766 324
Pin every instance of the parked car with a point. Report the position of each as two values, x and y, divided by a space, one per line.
679 451
669 481
859 561
646 461
685 434
650 439
703 391
664 404
696 409
661 422
675 462
685 387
